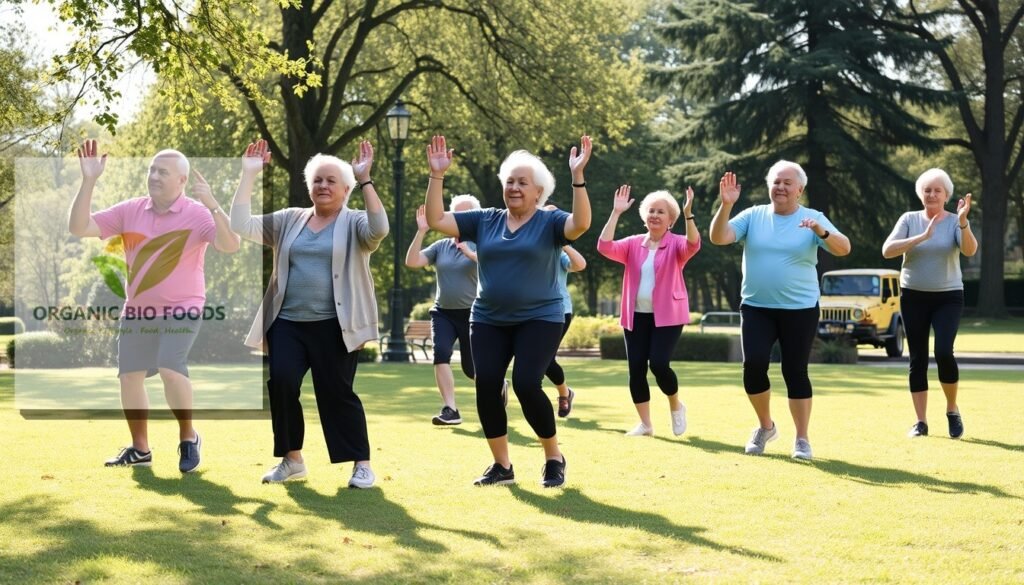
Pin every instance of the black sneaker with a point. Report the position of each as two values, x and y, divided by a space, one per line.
920 429
496 475
565 404
189 455
130 457
956 424
448 416
554 473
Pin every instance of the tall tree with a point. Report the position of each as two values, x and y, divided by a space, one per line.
803 80
993 123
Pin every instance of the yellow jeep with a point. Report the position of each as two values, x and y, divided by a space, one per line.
864 305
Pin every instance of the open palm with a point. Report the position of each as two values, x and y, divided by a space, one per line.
439 156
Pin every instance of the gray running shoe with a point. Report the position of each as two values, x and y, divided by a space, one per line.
802 450
362 477
284 471
761 437
679 420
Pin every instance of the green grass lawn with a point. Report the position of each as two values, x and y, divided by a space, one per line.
873 507
991 335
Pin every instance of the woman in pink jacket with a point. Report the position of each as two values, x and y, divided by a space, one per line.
654 302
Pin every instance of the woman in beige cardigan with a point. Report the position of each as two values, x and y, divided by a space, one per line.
320 306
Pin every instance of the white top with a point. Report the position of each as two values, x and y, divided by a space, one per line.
644 296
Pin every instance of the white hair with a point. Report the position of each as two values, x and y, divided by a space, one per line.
655 196
783 165
542 177
183 165
344 169
464 198
929 176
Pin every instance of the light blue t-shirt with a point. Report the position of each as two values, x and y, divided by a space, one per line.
518 271
563 282
779 257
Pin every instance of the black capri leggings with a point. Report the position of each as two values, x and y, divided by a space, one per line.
533 344
447 325
555 372
647 344
795 330
923 311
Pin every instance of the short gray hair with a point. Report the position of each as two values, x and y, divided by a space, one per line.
184 167
929 176
541 175
344 169
651 198
464 198
782 165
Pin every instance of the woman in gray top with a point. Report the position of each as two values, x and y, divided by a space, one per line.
320 307
454 262
931 242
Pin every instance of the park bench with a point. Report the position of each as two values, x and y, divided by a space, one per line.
417 335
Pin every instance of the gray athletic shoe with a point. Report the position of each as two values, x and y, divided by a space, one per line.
761 437
679 420
286 470
802 450
362 477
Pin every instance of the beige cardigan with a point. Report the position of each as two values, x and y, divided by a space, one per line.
357 234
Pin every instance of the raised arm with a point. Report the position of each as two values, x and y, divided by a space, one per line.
577 262
258 228
439 159
621 203
80 221
362 164
968 243
579 219
692 233
225 240
894 247
721 232
414 257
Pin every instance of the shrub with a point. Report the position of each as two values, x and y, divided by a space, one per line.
369 353
11 325
586 332
38 349
421 311
841 350
692 347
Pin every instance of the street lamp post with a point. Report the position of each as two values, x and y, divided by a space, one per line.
398 130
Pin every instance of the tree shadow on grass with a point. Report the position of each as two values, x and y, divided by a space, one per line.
214 499
990 443
880 476
571 504
369 510
514 437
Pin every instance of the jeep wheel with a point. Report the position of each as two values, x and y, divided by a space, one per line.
894 345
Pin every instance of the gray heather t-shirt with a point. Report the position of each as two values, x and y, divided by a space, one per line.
309 294
932 265
456 274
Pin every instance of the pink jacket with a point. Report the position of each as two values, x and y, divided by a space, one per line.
671 303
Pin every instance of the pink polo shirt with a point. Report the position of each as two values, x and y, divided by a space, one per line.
671 303
164 251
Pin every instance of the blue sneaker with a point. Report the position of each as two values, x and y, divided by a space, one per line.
956 424
188 452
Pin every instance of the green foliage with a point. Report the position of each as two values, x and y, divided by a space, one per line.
421 311
38 349
10 325
692 347
841 350
586 332
369 353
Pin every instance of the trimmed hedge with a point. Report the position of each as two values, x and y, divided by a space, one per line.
692 347
11 326
38 349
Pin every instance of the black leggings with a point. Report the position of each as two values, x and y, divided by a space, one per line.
923 311
795 330
295 348
447 325
555 372
533 344
647 344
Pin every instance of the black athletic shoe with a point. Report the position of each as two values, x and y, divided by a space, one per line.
956 424
188 452
920 429
565 404
130 457
496 475
554 473
447 417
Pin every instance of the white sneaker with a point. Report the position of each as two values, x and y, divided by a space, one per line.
761 437
802 450
679 420
362 477
284 471
641 430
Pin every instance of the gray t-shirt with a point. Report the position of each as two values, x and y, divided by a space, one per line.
932 265
309 294
456 274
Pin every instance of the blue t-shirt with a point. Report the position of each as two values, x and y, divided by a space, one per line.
779 257
563 282
518 271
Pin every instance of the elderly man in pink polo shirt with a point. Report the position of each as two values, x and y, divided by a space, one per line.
162 288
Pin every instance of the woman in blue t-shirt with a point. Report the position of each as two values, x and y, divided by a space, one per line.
518 311
779 292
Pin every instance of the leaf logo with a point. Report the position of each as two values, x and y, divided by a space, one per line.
165 252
